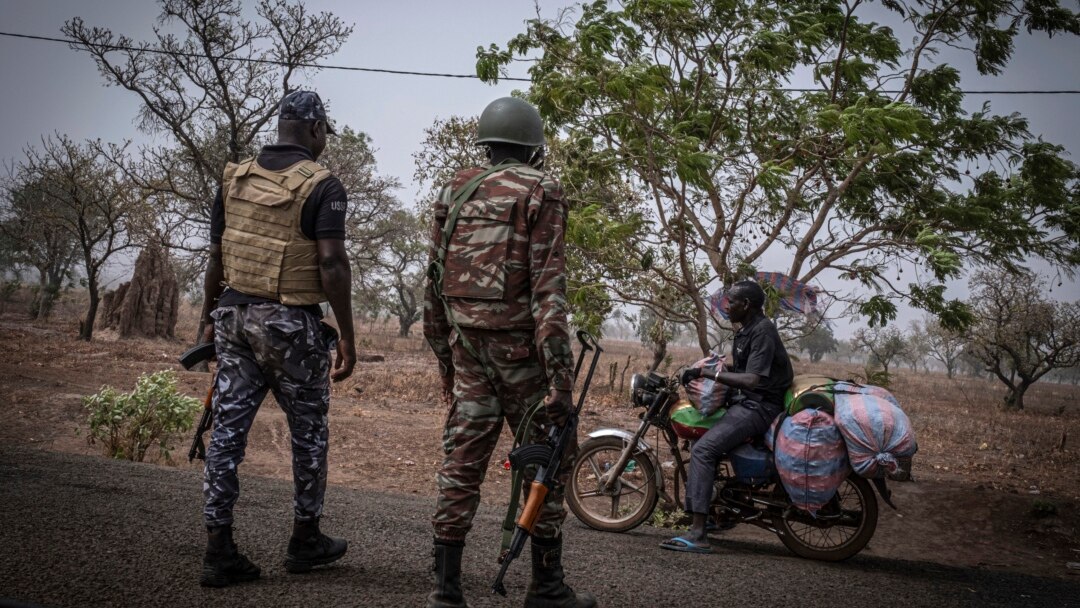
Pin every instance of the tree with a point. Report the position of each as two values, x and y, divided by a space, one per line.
211 82
1020 335
917 346
29 239
846 349
395 279
372 204
944 345
818 341
686 100
655 332
85 196
883 343
448 146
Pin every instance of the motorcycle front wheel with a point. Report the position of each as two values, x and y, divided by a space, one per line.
841 529
627 503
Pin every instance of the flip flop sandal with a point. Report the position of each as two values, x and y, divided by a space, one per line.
685 546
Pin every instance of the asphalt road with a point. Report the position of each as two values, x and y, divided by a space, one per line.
81 531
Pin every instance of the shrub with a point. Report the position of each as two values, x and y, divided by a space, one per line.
127 424
875 377
1043 508
672 519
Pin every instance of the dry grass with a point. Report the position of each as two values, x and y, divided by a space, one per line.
962 432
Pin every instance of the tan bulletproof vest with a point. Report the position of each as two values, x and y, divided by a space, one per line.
264 250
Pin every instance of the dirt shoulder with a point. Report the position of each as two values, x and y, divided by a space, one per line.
386 436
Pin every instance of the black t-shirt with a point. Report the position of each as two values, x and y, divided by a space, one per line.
758 349
323 215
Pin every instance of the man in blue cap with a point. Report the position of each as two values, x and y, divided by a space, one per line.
277 252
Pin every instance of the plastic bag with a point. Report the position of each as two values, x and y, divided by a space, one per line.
810 457
878 434
706 392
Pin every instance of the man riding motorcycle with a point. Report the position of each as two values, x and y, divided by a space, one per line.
761 373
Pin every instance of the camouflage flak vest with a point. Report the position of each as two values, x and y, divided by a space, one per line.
264 251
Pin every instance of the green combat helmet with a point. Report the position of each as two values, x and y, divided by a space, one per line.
510 120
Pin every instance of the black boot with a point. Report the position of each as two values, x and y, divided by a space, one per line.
309 547
223 565
547 589
447 568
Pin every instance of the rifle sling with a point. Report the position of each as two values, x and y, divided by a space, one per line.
509 521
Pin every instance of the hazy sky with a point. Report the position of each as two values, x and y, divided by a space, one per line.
52 88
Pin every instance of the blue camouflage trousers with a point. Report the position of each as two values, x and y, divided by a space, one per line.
269 347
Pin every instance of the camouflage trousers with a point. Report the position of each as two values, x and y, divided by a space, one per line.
475 421
260 348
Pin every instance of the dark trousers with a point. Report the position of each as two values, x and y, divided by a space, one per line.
261 348
741 422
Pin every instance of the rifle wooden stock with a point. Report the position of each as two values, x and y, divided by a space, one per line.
533 505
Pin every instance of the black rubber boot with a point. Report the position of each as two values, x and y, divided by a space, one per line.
547 589
309 547
223 565
447 568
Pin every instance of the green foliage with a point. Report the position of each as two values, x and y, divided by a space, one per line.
671 519
875 377
128 424
681 101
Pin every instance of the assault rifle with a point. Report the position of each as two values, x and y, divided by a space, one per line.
192 357
547 456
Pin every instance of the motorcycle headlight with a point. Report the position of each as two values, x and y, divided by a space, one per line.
637 389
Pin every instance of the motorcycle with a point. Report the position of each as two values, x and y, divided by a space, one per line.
618 479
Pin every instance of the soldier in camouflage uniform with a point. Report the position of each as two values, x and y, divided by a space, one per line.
495 315
277 251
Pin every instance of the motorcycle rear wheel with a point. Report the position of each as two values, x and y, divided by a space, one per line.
625 506
814 539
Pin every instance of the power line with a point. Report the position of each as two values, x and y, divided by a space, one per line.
117 47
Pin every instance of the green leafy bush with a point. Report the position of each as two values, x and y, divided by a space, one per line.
127 424
672 519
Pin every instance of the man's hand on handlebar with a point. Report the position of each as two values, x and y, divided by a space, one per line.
689 375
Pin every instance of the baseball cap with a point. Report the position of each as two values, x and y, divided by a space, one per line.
304 105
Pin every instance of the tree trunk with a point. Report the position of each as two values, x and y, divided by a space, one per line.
1015 399
48 288
86 328
702 338
659 354
405 323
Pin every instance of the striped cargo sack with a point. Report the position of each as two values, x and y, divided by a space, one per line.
706 392
810 457
878 434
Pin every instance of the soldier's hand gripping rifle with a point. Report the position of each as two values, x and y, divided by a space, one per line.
192 357
547 456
